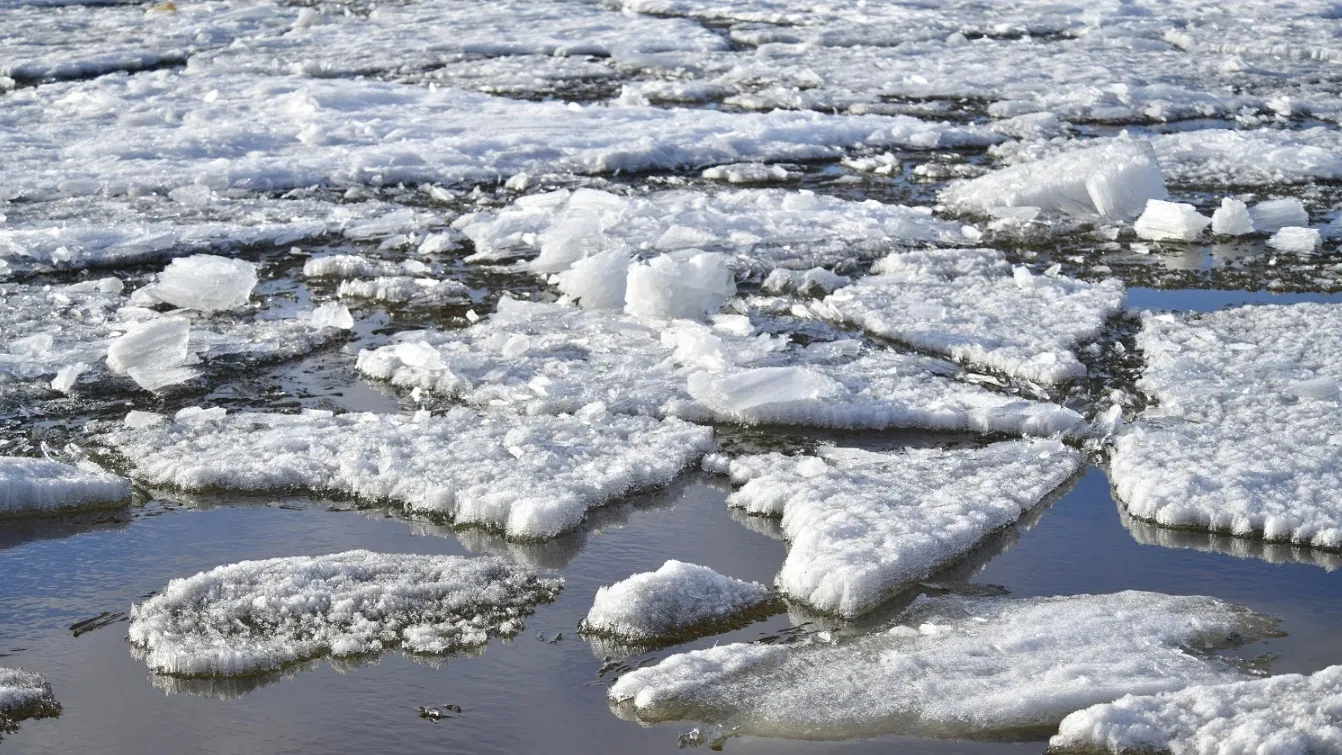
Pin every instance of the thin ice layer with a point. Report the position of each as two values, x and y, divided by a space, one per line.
973 307
865 525
1243 438
1291 713
954 667
546 358
24 694
259 616
531 477
671 602
40 486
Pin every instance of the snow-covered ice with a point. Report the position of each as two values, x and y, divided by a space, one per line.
42 486
1170 221
1232 218
257 616
1296 240
530 477
1291 713
404 289
204 282
970 305
154 353
24 694
674 602
953 667
864 525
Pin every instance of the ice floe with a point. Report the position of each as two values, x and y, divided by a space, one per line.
23 695
203 282
953 667
674 602
864 525
403 289
257 616
42 486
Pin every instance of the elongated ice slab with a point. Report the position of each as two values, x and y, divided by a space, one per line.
403 289
953 667
973 307
41 486
531 477
865 525
669 603
259 616
24 694
1291 713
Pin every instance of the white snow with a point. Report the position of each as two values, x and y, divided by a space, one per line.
676 600
749 173
24 694
1296 240
1232 219
258 616
1291 713
1170 221
204 282
692 287
813 282
953 667
865 525
359 266
41 486
530 477
970 305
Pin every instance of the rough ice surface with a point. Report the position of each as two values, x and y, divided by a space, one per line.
676 600
545 358
865 525
42 486
1295 240
1113 180
1243 438
204 282
1232 219
1291 713
1170 221
748 173
258 616
404 289
1276 214
24 694
530 477
359 266
668 288
954 667
814 282
970 305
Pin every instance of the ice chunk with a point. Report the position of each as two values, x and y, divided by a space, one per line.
971 306
1280 714
1232 219
205 282
403 289
1275 214
953 667
598 281
351 266
259 616
677 601
814 282
1170 221
332 314
865 525
24 695
41 486
67 375
692 287
531 477
749 173
154 353
1295 240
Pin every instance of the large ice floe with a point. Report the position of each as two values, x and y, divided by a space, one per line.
865 525
1292 713
41 486
972 306
545 358
1243 437
952 667
531 477
23 695
258 616
678 600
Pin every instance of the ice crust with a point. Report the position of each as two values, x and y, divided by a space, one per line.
970 305
676 600
1291 713
204 282
864 525
545 358
1243 439
953 667
529 477
41 486
24 694
258 616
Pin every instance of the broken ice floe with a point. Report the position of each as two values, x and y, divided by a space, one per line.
257 616
41 486
1243 438
952 667
404 289
203 282
545 358
1170 221
864 525
24 695
531 477
674 602
973 307
1290 713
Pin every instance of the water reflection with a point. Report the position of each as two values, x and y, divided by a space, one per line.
1147 533
18 531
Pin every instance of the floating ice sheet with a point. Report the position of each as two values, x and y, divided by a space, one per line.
865 525
971 306
953 667
24 694
531 477
1289 713
41 486
404 289
676 601
259 616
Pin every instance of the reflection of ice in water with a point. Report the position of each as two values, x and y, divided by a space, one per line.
1239 547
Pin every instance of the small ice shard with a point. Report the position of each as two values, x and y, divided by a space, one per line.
67 375
598 281
1232 219
24 695
665 287
1291 713
332 314
204 282
748 173
154 353
815 282
257 616
1296 240
40 486
1276 214
1170 221
677 601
